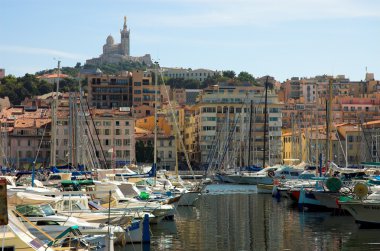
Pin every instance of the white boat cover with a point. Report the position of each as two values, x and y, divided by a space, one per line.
22 198
336 168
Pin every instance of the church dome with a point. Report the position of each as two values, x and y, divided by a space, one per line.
110 40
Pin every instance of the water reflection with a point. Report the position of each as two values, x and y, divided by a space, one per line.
257 222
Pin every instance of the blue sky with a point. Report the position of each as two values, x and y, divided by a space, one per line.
283 38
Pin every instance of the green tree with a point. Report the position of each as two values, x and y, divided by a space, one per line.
245 77
229 74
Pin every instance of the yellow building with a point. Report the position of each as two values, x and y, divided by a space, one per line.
307 144
163 125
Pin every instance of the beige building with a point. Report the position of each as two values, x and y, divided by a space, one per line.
166 151
197 74
223 116
106 139
307 144
25 137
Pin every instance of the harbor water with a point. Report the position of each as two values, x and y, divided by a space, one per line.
225 218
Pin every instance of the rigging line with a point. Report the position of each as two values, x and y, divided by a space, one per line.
88 127
365 139
340 143
39 147
92 151
229 139
243 104
177 127
96 133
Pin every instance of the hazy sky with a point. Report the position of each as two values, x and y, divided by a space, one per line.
283 38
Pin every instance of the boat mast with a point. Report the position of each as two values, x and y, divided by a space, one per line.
250 133
155 122
176 152
265 118
328 126
54 110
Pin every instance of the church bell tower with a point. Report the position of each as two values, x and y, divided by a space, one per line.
125 39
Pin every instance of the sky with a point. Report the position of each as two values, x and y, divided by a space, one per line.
282 38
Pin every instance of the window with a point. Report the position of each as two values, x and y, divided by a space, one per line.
170 154
127 123
117 123
126 132
117 142
106 131
106 123
117 132
126 142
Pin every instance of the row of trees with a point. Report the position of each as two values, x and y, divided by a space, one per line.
18 88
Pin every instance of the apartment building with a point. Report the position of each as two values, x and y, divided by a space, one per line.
307 144
166 148
223 109
106 139
196 74
25 137
106 91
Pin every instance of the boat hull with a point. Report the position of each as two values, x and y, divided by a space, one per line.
364 213
327 199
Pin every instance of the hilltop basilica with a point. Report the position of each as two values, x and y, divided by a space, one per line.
115 53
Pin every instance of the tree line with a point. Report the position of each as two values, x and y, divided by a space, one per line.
18 88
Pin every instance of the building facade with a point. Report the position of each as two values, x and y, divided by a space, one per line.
197 74
230 121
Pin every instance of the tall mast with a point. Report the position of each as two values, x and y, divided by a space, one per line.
54 122
250 134
330 119
265 119
329 122
155 122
